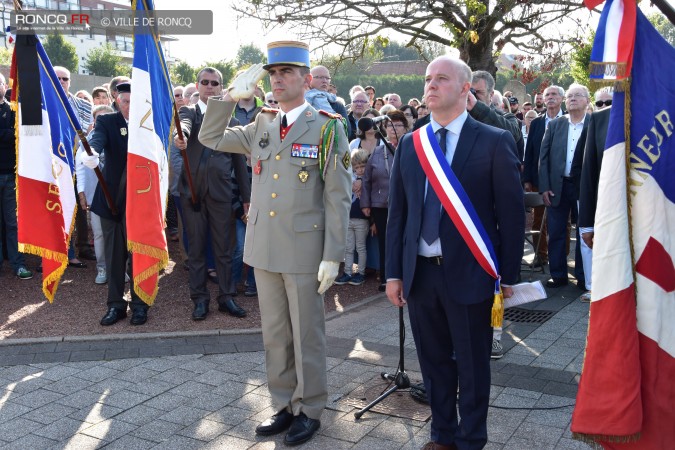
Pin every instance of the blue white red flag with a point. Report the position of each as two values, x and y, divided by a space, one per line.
150 118
626 392
612 53
45 129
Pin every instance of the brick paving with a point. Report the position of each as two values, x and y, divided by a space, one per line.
207 390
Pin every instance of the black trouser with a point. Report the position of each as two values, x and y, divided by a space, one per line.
116 255
379 216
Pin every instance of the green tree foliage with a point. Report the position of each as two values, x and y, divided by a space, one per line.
106 61
479 29
558 77
226 68
663 26
581 60
182 74
61 52
249 54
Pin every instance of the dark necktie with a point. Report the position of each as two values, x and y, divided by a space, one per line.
284 123
431 216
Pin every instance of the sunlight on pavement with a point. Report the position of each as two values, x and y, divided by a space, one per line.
18 315
338 305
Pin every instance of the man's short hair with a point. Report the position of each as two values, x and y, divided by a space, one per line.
582 87
487 77
211 70
98 89
115 81
560 90
369 88
603 90
101 109
527 104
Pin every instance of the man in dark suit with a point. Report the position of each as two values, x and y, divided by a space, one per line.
110 138
449 295
556 183
211 175
554 96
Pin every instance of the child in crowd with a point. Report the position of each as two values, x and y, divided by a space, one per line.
320 100
358 226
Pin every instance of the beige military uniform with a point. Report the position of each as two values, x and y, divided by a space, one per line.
296 220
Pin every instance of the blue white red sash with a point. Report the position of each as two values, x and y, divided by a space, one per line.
454 200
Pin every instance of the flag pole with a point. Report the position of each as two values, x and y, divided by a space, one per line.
183 154
666 9
99 174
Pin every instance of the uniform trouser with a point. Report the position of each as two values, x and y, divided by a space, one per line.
217 217
116 255
442 328
82 228
99 241
294 334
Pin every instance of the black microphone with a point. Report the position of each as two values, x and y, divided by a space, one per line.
366 123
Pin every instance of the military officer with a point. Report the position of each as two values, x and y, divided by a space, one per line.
297 227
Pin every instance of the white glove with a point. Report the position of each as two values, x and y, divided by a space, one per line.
244 85
90 161
328 272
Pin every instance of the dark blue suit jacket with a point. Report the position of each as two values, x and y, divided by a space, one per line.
486 165
111 136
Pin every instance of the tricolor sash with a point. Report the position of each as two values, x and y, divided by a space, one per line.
457 204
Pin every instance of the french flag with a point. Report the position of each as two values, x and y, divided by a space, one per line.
150 118
45 129
626 397
612 53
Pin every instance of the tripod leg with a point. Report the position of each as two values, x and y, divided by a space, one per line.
359 413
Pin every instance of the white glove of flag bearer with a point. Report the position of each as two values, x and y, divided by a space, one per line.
91 161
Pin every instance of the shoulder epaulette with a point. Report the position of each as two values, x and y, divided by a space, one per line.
269 110
329 114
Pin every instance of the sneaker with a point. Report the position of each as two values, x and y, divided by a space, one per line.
357 280
585 297
101 277
342 279
497 350
250 291
24 273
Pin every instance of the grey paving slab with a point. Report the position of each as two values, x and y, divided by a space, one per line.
129 442
205 430
60 430
96 413
49 413
184 415
30 441
109 430
139 415
157 430
124 399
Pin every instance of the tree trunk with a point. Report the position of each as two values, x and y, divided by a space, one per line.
479 55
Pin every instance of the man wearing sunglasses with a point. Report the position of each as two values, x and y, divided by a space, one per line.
212 179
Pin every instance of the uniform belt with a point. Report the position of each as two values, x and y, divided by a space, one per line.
435 260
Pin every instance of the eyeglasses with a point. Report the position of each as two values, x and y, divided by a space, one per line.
213 83
576 95
601 103
272 102
396 124
178 95
63 78
408 114
360 102
323 78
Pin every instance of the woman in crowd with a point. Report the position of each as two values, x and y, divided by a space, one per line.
422 111
413 102
375 191
527 120
379 103
367 140
410 114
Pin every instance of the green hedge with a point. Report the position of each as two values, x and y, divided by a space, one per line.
407 86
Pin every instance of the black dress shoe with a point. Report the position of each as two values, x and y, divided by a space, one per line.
200 311
113 315
139 316
77 265
230 307
556 282
302 429
275 424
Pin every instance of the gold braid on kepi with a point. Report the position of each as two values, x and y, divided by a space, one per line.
329 138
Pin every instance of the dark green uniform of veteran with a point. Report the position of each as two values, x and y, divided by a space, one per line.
296 220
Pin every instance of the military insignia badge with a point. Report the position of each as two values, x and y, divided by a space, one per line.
258 168
346 161
123 131
305 151
264 140
303 175
308 114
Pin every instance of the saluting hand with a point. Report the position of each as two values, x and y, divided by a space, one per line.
244 85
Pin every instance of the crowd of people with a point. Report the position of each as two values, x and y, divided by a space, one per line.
245 171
